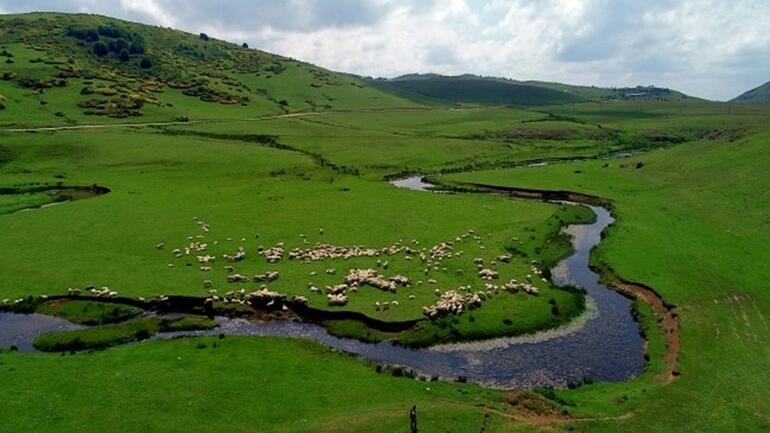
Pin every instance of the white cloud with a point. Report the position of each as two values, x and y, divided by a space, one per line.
708 48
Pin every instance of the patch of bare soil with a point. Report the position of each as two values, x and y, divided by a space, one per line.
667 320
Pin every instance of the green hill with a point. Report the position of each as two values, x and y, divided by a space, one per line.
758 94
67 68
472 89
646 93
502 91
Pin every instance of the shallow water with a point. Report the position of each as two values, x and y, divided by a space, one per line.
19 330
603 344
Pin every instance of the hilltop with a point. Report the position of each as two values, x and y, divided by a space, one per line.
757 94
470 88
68 67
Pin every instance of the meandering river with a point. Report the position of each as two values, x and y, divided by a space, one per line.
604 344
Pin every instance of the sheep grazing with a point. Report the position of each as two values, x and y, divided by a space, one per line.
412 297
513 286
452 302
505 258
205 268
264 296
266 277
237 257
488 274
177 253
161 245
357 277
338 299
330 252
196 246
331 271
237 278
206 259
73 291
273 254
102 292
442 251
299 300
338 289
207 284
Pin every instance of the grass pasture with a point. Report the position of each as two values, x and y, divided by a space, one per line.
266 150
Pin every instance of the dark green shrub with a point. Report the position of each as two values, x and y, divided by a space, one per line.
100 49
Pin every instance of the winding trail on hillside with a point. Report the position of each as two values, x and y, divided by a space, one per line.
97 126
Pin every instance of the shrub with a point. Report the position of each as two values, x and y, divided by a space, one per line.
118 45
100 49
124 56
146 63
203 37
244 45
137 46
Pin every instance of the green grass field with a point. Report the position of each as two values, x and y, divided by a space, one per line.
691 204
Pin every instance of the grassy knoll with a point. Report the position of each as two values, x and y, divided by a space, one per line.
102 337
690 224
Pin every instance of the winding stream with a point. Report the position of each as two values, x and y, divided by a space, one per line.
603 344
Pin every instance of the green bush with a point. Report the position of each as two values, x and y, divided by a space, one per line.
100 49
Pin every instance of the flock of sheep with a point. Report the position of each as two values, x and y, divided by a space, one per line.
433 259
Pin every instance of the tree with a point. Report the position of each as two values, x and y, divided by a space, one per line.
244 45
100 49
118 45
124 56
204 37
146 63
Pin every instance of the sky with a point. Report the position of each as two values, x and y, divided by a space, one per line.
714 49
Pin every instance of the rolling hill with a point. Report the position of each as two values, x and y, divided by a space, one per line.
502 91
73 68
472 89
758 94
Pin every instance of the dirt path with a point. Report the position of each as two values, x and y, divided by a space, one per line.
150 124
193 122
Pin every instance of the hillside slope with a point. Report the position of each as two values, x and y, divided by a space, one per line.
70 68
758 94
472 89
426 88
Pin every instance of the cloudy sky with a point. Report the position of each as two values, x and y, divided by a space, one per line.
711 48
